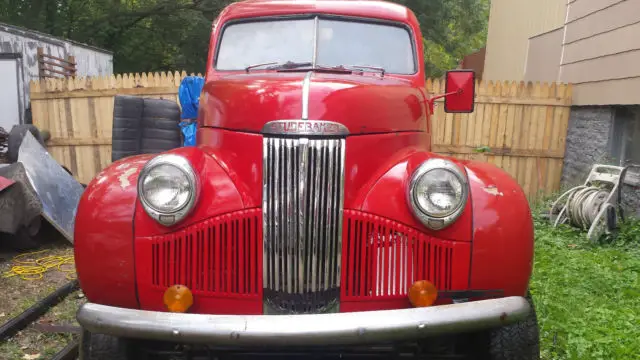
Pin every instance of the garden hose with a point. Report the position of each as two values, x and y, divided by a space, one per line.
582 205
29 268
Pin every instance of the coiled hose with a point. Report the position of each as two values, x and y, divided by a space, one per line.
28 267
581 207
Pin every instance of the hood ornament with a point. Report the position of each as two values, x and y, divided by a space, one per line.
304 127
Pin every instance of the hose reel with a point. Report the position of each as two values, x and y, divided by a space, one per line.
594 206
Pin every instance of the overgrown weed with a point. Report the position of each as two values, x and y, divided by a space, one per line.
587 295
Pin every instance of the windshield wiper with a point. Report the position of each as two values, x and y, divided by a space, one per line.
291 65
362 68
280 66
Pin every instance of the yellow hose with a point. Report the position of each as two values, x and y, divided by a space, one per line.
29 268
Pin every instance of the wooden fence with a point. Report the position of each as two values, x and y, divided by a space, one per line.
78 113
519 127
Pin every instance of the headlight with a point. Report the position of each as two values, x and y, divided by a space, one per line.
168 188
437 193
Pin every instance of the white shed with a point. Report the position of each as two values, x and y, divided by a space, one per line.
27 55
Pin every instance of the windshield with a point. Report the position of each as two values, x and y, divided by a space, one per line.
339 42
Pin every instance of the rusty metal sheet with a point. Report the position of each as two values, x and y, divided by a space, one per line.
58 191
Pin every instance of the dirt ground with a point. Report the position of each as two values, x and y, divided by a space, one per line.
19 294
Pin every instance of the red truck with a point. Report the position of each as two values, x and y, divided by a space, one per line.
312 217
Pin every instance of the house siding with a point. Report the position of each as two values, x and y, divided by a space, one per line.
601 52
606 19
603 68
582 8
609 43
621 91
507 50
543 61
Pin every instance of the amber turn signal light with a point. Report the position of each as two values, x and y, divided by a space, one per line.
178 298
422 294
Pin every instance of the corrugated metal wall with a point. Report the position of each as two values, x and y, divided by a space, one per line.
14 40
511 24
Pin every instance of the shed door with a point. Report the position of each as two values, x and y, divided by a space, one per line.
9 99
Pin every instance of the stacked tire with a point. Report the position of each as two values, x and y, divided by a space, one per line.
144 126
16 135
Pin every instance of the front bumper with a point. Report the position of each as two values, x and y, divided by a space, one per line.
316 329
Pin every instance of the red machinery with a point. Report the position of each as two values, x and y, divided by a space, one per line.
311 212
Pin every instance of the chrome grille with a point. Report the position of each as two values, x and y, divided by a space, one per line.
302 223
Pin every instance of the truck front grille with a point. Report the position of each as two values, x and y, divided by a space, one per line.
219 256
384 258
302 223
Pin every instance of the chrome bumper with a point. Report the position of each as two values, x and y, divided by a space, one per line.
321 329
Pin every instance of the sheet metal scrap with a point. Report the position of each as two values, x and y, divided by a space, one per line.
58 191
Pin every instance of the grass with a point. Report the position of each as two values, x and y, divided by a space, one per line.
20 294
587 295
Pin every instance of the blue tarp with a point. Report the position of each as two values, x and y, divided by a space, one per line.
189 95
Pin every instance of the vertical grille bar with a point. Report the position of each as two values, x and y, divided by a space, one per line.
210 257
302 219
301 211
384 258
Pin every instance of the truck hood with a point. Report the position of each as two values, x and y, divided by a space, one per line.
362 103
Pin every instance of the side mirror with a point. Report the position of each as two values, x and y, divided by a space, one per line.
460 91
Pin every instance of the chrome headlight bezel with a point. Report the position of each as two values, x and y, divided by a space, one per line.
169 218
429 220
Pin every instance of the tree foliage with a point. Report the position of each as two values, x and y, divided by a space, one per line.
155 35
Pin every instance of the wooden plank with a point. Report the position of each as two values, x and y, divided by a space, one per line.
104 121
70 61
479 119
527 164
508 162
535 153
49 69
523 140
65 67
516 134
544 122
439 118
167 90
40 52
456 131
468 124
83 141
502 122
495 122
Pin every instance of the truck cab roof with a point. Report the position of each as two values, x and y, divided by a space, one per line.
383 10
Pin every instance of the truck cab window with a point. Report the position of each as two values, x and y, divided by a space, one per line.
251 43
365 44
337 42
